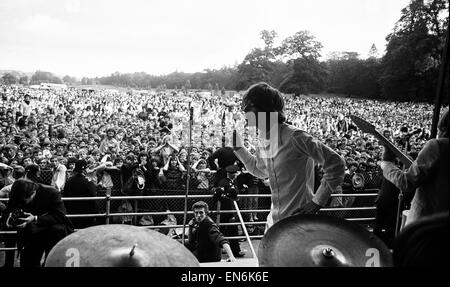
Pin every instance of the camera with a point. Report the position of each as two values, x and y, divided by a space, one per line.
230 192
16 217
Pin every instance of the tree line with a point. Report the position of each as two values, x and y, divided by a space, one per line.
408 70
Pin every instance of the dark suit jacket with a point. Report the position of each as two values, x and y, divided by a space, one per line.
206 240
79 186
49 208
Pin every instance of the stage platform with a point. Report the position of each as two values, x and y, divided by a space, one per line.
244 262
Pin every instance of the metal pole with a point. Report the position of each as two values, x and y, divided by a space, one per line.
108 204
244 228
440 88
191 120
218 212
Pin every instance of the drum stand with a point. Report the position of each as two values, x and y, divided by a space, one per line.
244 228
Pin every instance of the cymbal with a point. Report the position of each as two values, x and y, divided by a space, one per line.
119 245
321 241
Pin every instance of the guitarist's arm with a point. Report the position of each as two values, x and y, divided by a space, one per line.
419 171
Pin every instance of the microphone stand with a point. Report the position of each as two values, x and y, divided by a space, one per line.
191 120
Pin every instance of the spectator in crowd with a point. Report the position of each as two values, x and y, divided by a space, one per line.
6 175
202 174
25 107
59 173
109 143
79 186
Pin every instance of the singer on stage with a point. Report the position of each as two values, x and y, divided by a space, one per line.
286 155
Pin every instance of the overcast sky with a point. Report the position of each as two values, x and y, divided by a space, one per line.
98 37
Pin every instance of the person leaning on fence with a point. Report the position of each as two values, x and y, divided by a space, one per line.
204 238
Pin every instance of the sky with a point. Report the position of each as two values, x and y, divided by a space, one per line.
99 37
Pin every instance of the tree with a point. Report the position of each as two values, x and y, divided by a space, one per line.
9 79
256 67
373 52
44 77
187 85
269 38
349 75
23 80
307 76
68 79
410 66
301 45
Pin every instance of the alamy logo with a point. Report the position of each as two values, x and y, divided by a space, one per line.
74 257
373 255
263 129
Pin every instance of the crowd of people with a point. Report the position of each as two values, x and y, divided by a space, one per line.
144 136
115 131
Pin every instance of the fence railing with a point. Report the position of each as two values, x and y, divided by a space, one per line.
354 213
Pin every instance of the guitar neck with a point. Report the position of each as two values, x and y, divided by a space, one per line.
406 160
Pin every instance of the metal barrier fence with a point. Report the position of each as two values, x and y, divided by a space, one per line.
153 207
163 209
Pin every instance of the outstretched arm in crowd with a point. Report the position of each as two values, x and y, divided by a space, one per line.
194 166
211 160
157 149
60 177
180 166
173 147
166 166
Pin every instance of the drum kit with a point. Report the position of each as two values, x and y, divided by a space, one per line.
296 241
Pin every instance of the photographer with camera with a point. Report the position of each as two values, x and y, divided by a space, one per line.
38 214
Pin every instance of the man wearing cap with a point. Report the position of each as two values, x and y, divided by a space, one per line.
79 186
287 156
